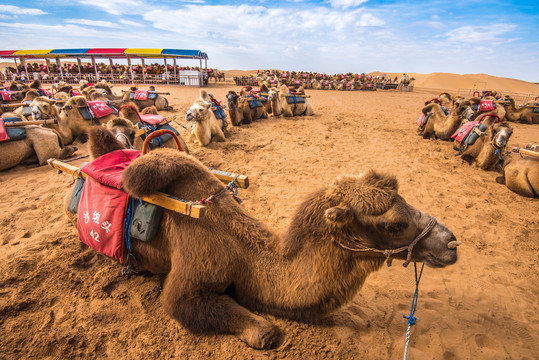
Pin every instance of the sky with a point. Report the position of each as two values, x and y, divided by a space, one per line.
333 36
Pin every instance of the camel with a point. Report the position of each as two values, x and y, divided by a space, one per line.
521 175
497 110
41 108
251 106
273 99
236 116
526 114
207 127
39 142
487 150
160 102
293 109
440 125
222 267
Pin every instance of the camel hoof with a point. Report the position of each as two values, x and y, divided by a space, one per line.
265 336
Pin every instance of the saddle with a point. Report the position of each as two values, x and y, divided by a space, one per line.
6 95
142 95
486 105
466 135
96 110
11 133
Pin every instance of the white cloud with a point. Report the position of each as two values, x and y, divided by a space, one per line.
20 11
480 34
89 22
118 7
131 23
344 4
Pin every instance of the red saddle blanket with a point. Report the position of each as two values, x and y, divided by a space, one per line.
3 132
486 105
6 95
101 212
420 120
45 92
100 108
464 130
75 93
152 119
141 94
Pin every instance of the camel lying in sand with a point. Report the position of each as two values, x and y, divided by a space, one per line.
160 102
207 127
521 175
440 125
227 264
41 108
251 107
526 114
40 142
489 148
293 109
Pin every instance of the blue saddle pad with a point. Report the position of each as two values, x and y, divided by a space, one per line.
298 100
157 142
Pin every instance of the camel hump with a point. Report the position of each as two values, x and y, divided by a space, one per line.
162 167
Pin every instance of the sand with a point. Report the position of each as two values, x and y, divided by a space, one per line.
59 299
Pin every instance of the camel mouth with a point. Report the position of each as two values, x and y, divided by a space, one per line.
449 257
189 117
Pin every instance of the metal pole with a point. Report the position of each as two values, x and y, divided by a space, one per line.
23 63
80 65
111 70
166 68
16 66
175 71
130 69
59 64
95 68
143 71
48 63
201 76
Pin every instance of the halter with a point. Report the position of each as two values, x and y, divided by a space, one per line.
388 252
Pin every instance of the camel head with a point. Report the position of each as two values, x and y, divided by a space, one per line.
501 132
198 111
273 93
43 108
123 130
232 99
367 211
465 110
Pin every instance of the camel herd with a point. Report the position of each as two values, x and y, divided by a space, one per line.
480 130
320 81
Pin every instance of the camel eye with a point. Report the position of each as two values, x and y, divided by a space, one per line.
395 227
200 110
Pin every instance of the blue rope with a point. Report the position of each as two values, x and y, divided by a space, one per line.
411 318
127 221
158 139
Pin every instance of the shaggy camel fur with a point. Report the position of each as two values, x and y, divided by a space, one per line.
250 114
290 110
525 114
487 151
521 175
227 264
207 127
40 142
443 126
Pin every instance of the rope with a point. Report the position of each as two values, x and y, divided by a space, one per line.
411 318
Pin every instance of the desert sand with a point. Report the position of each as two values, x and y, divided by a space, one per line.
60 299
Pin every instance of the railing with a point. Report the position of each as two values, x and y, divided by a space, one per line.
520 98
121 79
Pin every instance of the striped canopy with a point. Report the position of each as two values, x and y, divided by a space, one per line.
104 52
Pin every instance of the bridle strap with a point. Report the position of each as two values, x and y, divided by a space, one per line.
388 252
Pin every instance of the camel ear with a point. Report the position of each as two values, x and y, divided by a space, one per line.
339 216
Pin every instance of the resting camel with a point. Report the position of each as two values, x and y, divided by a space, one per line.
41 108
498 112
236 116
226 265
207 127
40 142
443 126
521 175
251 107
489 148
160 102
526 114
297 109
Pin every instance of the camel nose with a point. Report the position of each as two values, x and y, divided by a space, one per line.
188 117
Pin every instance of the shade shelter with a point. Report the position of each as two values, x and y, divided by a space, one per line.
129 54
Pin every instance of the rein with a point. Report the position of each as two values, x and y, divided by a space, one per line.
388 252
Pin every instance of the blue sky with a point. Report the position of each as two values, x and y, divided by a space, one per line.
464 37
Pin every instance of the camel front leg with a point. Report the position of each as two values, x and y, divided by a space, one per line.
211 313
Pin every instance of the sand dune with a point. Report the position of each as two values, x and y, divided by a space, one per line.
60 299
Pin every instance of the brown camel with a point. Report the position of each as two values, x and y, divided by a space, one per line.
41 108
440 125
160 102
207 127
227 264
489 147
521 175
40 143
293 109
251 106
526 114
236 116
498 113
